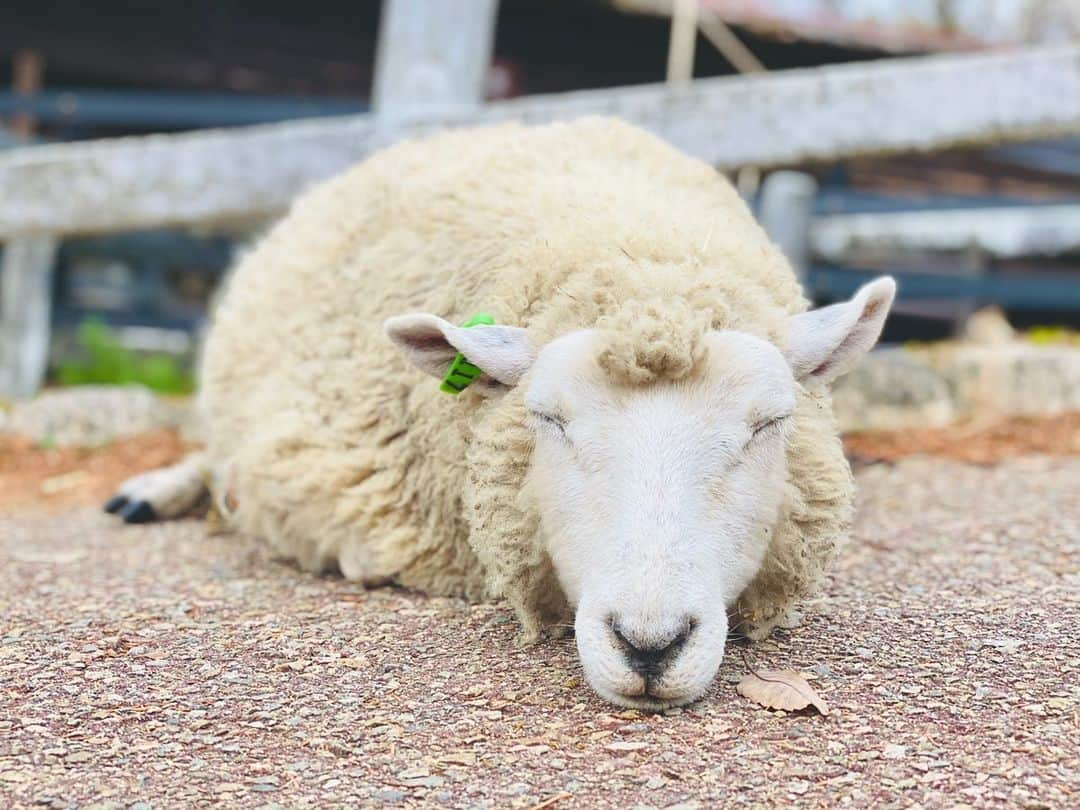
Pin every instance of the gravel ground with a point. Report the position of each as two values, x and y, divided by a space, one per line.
162 667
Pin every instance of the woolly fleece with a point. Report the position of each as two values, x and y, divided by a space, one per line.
341 455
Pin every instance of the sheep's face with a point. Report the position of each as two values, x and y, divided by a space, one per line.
657 502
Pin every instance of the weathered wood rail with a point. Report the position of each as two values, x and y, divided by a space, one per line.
783 118
1001 233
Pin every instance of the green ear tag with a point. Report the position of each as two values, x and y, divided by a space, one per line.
462 373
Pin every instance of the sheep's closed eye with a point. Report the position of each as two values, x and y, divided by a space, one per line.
550 421
767 427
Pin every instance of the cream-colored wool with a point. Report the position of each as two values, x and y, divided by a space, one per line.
340 454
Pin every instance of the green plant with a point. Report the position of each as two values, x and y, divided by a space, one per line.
1050 335
105 361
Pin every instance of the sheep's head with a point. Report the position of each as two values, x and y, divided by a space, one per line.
657 494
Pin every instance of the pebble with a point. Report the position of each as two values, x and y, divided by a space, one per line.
388 796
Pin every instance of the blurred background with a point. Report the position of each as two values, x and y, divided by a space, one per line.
987 215
144 143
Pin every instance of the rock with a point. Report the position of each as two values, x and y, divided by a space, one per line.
1003 643
621 746
427 781
90 416
989 327
792 619
1020 379
890 390
823 671
932 386
388 796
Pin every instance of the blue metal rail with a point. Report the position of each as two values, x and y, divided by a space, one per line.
143 109
1027 291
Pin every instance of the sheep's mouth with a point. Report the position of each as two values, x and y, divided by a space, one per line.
650 698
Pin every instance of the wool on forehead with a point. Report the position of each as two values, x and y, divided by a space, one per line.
652 317
647 342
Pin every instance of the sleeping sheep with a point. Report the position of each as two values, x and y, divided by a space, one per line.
648 450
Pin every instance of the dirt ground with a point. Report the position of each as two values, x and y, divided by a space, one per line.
55 478
58 478
160 666
976 442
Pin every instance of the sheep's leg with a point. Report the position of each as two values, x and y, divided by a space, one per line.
541 610
161 494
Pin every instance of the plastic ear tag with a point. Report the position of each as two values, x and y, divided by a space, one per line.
462 373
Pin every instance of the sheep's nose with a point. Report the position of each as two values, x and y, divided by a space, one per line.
650 655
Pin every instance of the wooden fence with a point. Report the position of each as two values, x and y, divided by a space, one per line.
428 78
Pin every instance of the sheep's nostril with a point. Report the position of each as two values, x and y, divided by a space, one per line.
649 655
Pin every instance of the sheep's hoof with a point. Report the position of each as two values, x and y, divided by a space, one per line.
528 637
557 631
115 504
138 512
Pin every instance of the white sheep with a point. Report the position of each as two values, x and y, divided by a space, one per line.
650 443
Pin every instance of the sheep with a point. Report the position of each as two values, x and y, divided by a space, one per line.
648 450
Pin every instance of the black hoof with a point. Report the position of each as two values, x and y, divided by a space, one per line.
115 504
138 512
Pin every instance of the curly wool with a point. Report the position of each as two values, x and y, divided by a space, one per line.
342 456
642 343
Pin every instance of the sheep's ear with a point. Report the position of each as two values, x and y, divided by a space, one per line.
503 353
825 343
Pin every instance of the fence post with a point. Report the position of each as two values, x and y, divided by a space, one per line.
433 57
25 308
683 38
784 209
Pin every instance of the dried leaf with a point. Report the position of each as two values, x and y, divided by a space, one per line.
781 689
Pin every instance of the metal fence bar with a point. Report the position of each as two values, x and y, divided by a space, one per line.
1015 291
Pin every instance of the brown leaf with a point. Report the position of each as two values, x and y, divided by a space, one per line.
781 689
